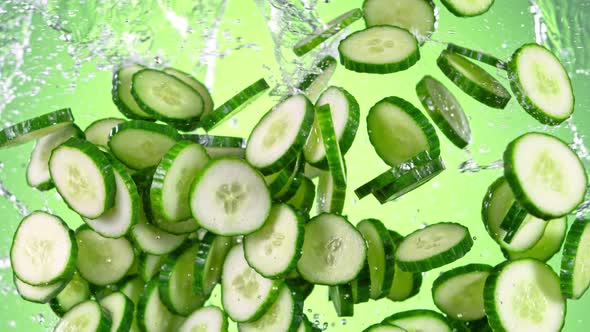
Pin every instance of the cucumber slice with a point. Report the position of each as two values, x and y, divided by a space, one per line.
102 261
38 168
196 85
99 131
141 144
179 228
545 174
169 193
459 292
176 281
245 294
83 176
210 141
326 32
330 197
274 249
234 105
87 316
419 320
541 84
133 289
43 250
290 188
317 80
333 252
76 291
383 328
152 315
343 300
345 119
331 146
547 246
121 93
478 55
303 198
149 265
416 16
380 49
473 80
153 240
361 285
206 319
300 286
468 8
38 294
283 315
399 131
524 295
433 246
405 285
120 309
575 276
117 221
35 128
380 256
444 109
279 137
209 261
229 197
276 182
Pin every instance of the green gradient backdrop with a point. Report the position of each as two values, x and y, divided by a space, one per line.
452 196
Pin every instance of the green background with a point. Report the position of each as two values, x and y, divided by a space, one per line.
452 196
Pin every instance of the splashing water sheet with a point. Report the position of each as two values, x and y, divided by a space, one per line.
62 53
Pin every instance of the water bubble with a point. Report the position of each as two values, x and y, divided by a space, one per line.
343 321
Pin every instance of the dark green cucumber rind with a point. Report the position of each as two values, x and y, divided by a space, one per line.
297 310
379 327
390 176
14 135
143 182
573 245
333 27
299 285
210 141
517 187
512 221
414 313
277 181
341 297
380 68
489 292
442 258
123 108
459 13
320 67
473 89
47 298
200 273
204 92
395 237
410 180
388 247
234 105
58 307
333 152
302 201
522 98
434 110
127 315
477 55
290 188
361 285
539 251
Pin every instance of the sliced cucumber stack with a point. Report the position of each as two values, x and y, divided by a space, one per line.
468 8
196 85
35 128
206 319
38 294
547 246
87 316
315 82
575 276
416 16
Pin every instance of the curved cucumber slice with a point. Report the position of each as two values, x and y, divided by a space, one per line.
331 146
303 198
419 320
444 109
545 174
76 291
179 227
279 137
120 309
361 285
153 240
35 128
380 256
276 182
405 285
416 16
87 316
196 85
384 328
149 265
334 251
234 105
477 55
210 141
473 80
152 315
315 82
516 300
399 131
283 315
209 261
575 272
343 300
433 246
547 246
38 294
99 131
206 319
468 8
541 84
331 28
121 93
379 49
330 197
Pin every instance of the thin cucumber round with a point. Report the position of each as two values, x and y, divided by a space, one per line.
419 320
334 251
473 80
234 105
121 93
361 285
541 84
324 33
84 177
149 265
575 272
547 246
179 228
380 49
76 291
43 250
459 292
151 314
477 55
330 197
290 188
334 154
99 131
274 249
444 109
35 128
133 288
169 192
38 294
380 256
314 83
416 16
196 85
303 198
211 141
279 137
102 261
245 294
209 262
38 175
524 295
384 328
277 181
468 8
153 240
433 246
545 174
205 319
405 285
283 315
229 197
343 300
87 316
399 131
120 309
141 144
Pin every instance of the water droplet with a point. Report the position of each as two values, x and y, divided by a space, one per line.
343 321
